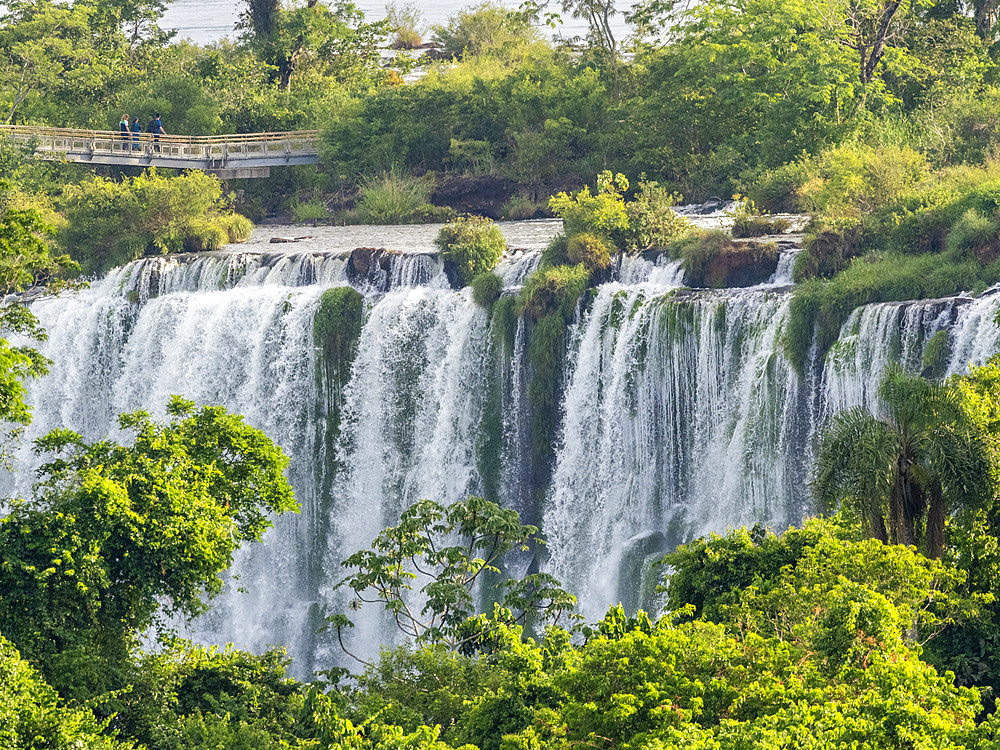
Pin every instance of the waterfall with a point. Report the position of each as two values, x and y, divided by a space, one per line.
680 417
679 412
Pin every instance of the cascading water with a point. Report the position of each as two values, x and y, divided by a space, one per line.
679 412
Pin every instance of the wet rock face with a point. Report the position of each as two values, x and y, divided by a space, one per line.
371 266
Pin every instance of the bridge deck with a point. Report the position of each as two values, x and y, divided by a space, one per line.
249 153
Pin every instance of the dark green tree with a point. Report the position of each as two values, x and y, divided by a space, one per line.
117 536
903 471
445 552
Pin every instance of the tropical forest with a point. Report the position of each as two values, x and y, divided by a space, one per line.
487 375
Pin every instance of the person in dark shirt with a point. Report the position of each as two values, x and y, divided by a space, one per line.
156 128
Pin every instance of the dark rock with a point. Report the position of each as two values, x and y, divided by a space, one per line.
282 240
483 195
746 264
371 265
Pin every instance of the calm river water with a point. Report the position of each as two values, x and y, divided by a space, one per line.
209 20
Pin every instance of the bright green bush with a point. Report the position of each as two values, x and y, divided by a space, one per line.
589 250
474 244
602 212
111 223
487 28
652 221
970 233
853 180
553 290
486 290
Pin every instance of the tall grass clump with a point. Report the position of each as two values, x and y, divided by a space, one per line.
971 233
473 244
310 211
405 19
393 198
237 226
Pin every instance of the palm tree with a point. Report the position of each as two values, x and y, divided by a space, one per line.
905 469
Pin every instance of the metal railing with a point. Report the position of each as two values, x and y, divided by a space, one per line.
213 150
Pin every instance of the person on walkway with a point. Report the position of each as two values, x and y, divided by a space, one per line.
156 128
136 129
123 128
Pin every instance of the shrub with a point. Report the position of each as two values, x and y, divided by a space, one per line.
205 235
853 180
553 290
238 227
652 221
971 233
474 244
405 20
393 198
486 290
555 253
312 210
111 223
487 28
589 250
779 190
600 213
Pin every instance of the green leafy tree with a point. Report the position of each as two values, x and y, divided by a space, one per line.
445 552
25 262
117 535
32 716
906 469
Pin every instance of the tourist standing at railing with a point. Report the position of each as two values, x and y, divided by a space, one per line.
136 129
156 128
123 127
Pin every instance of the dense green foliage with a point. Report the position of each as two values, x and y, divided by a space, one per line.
111 223
473 244
115 535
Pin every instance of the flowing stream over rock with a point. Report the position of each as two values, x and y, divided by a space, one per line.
679 413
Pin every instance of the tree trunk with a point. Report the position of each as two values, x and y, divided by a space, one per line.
262 15
934 538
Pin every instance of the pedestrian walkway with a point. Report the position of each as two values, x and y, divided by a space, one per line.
230 156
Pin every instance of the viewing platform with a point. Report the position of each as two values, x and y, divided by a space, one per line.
227 156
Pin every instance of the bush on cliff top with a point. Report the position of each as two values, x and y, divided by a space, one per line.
112 223
474 244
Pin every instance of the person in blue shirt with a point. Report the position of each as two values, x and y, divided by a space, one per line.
156 128
136 129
